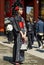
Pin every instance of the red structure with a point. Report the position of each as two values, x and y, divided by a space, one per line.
1 15
6 9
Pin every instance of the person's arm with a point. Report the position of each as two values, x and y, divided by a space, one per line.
15 24
37 28
25 30
22 34
24 27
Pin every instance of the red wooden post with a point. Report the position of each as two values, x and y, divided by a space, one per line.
36 9
9 9
11 2
1 15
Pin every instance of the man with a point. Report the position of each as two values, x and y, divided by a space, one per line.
39 32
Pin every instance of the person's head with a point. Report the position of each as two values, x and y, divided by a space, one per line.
40 18
19 9
35 21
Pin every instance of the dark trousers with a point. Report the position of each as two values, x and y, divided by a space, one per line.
18 55
30 39
39 39
10 36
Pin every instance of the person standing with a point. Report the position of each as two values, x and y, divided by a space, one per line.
19 30
30 33
8 30
39 32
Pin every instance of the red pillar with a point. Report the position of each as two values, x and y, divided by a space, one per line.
1 15
11 2
9 13
10 7
24 6
36 9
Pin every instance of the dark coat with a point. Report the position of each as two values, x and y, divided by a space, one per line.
14 21
30 27
18 55
40 27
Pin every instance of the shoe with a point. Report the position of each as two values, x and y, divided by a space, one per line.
13 63
43 44
41 47
30 47
17 63
21 62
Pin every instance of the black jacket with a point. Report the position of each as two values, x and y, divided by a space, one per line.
30 26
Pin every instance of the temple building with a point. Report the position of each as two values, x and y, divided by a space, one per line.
36 6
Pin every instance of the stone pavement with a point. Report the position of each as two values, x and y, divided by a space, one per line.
35 51
34 56
6 57
32 60
4 41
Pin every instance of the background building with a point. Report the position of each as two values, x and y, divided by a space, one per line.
6 9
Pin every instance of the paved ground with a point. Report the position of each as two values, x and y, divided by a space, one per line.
32 60
32 57
5 55
36 51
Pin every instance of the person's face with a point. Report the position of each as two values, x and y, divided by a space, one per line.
20 11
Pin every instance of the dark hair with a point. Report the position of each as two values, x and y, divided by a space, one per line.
40 18
13 7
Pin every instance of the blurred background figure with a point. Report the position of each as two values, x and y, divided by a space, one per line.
35 28
30 32
40 32
9 30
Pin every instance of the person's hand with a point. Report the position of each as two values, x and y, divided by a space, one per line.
24 37
21 33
